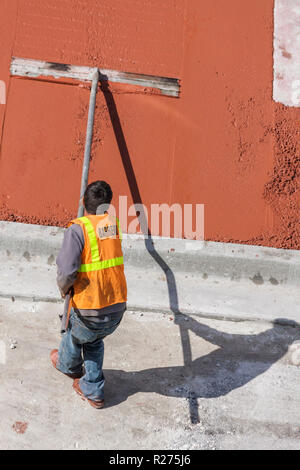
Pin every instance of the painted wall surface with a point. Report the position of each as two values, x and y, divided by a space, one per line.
225 143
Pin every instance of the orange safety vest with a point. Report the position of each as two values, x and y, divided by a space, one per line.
100 279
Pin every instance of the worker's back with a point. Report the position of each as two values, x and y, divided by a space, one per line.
100 281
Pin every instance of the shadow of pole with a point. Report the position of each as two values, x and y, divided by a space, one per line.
170 278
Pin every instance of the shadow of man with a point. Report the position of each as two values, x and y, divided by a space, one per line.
237 360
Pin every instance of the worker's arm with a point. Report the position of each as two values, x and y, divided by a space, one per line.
69 258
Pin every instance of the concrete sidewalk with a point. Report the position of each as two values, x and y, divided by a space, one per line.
210 279
241 389
178 377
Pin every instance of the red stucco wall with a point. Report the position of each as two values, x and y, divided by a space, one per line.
224 143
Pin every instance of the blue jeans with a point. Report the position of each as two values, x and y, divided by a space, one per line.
86 340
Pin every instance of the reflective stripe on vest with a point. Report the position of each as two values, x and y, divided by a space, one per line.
96 263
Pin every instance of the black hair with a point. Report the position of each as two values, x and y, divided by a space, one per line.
97 194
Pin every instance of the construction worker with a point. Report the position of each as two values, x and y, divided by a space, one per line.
91 270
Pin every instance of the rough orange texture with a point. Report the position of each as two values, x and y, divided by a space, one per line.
132 35
282 191
224 143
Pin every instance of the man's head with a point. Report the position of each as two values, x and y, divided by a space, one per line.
97 194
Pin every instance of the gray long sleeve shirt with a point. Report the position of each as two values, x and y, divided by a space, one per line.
68 262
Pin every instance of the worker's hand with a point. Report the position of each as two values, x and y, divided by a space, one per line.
63 294
70 292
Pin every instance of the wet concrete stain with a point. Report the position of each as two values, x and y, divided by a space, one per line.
51 260
273 281
27 256
257 279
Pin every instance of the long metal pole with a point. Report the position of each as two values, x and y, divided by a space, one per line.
88 141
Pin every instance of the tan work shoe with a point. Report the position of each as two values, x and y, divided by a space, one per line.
94 403
54 359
